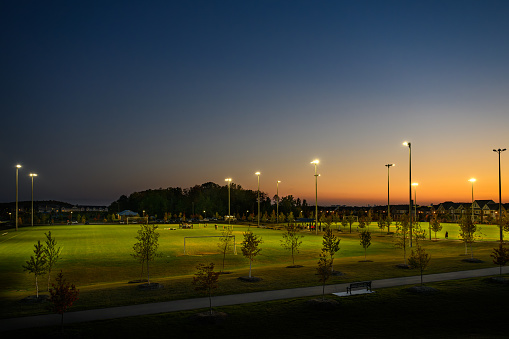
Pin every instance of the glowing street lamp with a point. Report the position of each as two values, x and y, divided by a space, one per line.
388 201
406 143
32 175
316 162
228 180
472 180
277 203
17 169
258 174
500 194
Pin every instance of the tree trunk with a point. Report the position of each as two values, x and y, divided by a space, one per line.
49 276
148 273
250 262
36 287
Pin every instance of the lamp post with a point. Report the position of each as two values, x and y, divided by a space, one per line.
32 175
228 180
472 180
500 194
277 203
415 200
17 169
316 162
388 200
258 174
406 143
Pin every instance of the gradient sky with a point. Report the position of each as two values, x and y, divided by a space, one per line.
104 98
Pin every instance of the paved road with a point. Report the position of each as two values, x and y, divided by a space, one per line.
225 300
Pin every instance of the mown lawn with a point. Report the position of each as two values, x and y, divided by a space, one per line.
97 258
470 308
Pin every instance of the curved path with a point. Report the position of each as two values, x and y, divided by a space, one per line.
225 300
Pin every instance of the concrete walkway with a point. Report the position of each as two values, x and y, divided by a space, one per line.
225 300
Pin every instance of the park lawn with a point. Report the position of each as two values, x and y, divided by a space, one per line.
460 309
97 258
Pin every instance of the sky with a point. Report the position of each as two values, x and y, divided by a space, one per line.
105 98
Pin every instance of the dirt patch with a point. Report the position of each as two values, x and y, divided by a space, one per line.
497 280
206 318
151 286
323 304
294 266
473 260
32 299
421 290
403 266
139 281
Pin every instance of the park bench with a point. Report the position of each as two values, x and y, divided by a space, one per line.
366 284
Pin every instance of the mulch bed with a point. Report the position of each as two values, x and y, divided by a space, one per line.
32 299
205 318
421 290
252 279
151 286
323 304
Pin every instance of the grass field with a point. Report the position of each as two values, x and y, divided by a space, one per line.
97 259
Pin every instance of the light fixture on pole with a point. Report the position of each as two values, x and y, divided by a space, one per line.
316 162
388 200
228 180
277 202
415 200
258 174
500 194
472 180
406 143
32 175
17 169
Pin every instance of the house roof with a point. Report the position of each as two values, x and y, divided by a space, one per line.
128 213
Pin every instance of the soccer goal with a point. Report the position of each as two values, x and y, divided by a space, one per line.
137 220
201 245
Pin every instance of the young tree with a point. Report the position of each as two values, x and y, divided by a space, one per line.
62 296
500 256
388 222
365 241
468 233
330 245
145 250
344 223
225 243
435 225
250 247
291 240
290 218
52 253
206 280
350 219
419 259
402 231
37 264
381 224
282 217
362 223
324 270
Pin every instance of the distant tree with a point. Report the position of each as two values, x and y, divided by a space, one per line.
265 217
368 218
344 223
324 270
290 217
419 259
350 219
62 296
206 280
418 233
37 264
402 232
362 222
52 253
435 225
500 256
330 245
225 243
291 240
145 250
273 217
388 222
336 218
250 247
282 217
301 215
365 237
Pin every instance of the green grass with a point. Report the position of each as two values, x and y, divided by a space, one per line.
469 308
97 259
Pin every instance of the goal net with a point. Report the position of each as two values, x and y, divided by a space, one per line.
205 245
137 220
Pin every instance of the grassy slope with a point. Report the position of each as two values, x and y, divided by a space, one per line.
97 259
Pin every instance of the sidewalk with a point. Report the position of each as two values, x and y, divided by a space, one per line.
225 300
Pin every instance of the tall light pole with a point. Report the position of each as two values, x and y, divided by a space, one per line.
415 200
472 180
388 200
32 175
406 143
500 194
277 203
316 162
258 174
228 180
17 169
